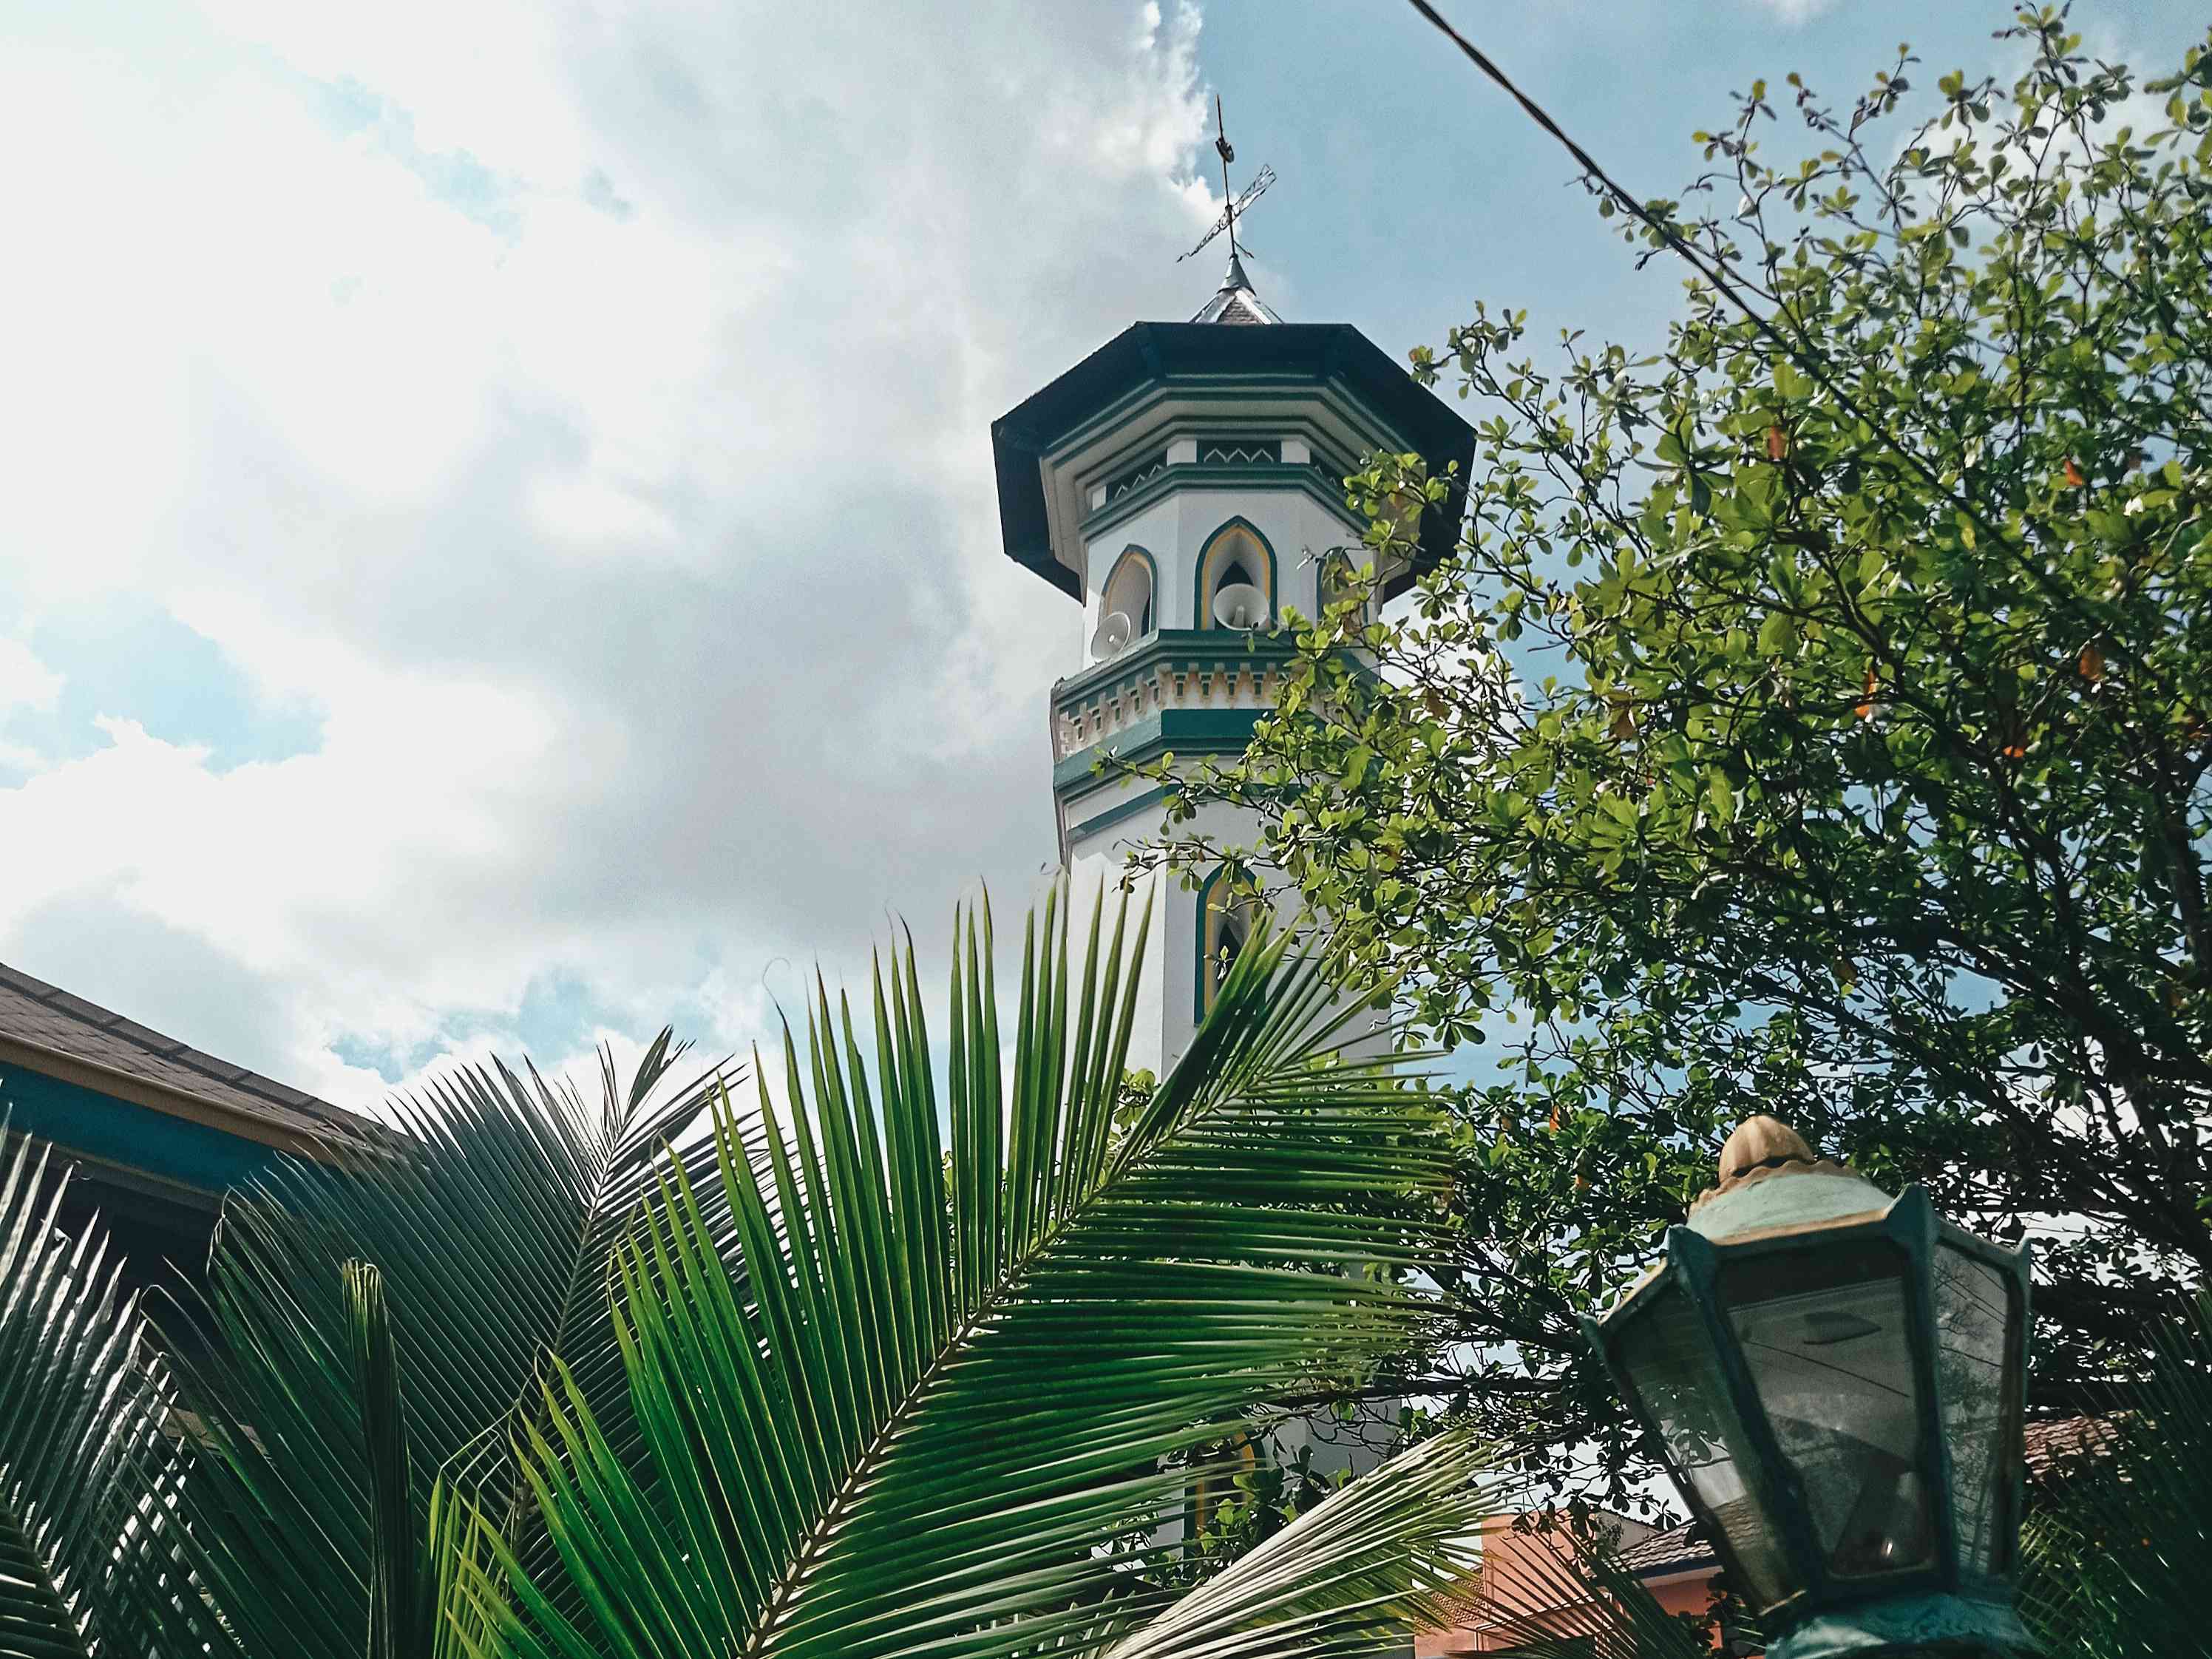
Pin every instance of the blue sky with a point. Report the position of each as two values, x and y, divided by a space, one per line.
1410 189
500 548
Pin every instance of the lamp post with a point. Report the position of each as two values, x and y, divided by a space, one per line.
1836 1377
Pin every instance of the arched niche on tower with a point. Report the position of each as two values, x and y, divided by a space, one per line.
1131 586
1227 916
1236 552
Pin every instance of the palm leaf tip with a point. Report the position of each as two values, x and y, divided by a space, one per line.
398 1605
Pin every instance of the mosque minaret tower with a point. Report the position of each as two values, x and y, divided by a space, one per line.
1183 482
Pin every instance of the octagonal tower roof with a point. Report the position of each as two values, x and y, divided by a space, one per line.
1115 400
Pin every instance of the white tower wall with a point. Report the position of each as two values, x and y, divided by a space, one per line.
1174 530
1177 460
1165 435
1186 664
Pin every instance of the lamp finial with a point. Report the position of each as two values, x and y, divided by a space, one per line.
1762 1142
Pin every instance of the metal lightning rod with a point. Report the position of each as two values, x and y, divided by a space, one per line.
1232 202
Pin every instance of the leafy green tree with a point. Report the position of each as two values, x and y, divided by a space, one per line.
1814 718
527 1382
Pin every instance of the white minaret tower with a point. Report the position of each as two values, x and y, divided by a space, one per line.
1184 481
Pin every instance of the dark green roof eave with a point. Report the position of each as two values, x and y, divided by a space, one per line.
1146 352
1039 558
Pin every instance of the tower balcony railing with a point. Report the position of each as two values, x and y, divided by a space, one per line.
1175 669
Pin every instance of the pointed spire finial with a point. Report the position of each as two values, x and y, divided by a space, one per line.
1235 301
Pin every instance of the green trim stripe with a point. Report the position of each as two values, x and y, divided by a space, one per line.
1087 827
1311 480
121 1132
1242 390
1179 730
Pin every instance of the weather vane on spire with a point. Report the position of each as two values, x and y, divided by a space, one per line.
1231 204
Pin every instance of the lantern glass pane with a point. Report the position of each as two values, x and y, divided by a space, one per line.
1973 1304
1669 1361
1825 1336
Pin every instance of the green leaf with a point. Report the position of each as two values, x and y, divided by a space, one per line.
1565 1594
1717 790
2116 1551
1392 1552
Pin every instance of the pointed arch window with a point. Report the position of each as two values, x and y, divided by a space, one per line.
1129 590
1237 559
1227 918
1217 1468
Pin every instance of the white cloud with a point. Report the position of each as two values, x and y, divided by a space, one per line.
599 437
25 682
1795 11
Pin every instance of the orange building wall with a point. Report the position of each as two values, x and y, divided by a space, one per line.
1508 1556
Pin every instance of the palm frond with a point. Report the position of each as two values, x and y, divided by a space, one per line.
491 1220
2117 1548
456 1547
1352 1576
941 1402
90 1562
399 1611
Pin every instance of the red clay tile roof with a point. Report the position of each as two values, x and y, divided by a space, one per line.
1678 1549
2055 1446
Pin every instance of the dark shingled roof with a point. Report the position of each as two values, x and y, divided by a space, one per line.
1678 1549
44 1016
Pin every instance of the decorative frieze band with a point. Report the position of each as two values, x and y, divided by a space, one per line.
1091 716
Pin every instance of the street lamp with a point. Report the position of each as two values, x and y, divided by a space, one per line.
1836 1377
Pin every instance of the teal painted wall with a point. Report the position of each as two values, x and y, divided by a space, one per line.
76 1118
